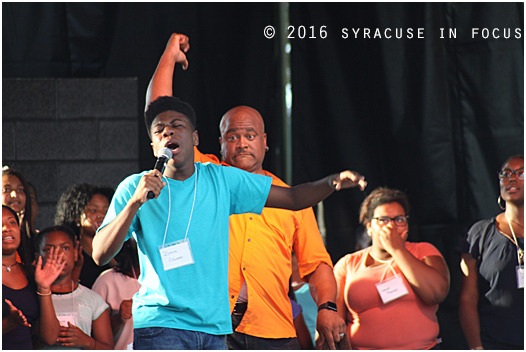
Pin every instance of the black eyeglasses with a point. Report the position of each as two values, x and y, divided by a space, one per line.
506 173
398 221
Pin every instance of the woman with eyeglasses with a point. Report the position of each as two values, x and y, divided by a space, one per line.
389 293
491 305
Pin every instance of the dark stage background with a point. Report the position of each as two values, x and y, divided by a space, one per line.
433 116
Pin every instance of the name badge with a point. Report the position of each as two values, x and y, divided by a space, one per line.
65 318
176 254
391 289
520 276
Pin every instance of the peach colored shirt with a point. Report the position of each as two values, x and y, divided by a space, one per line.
406 323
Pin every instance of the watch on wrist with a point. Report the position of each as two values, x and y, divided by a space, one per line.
328 305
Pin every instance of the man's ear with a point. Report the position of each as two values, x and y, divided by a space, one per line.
195 137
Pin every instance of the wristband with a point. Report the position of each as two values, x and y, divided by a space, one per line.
328 305
44 294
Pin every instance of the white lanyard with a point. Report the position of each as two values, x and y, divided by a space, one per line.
520 252
178 253
393 288
170 208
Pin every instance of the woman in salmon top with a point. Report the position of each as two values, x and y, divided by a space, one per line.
389 293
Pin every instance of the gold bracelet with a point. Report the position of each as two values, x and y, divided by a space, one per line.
44 294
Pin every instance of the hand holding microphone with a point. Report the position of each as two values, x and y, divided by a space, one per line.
163 155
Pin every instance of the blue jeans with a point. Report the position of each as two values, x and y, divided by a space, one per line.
174 339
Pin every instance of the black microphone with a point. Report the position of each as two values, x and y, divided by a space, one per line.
163 155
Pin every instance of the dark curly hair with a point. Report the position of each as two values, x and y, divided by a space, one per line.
167 103
72 203
380 196
25 249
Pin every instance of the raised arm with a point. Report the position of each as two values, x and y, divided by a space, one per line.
161 83
309 194
48 326
108 241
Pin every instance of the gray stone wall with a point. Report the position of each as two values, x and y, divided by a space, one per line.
59 132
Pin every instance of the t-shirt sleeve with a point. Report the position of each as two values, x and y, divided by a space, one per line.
308 244
340 270
296 308
422 250
472 242
99 305
121 197
248 191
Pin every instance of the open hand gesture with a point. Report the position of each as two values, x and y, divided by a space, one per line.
16 317
46 274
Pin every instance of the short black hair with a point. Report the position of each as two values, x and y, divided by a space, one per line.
167 103
39 239
517 156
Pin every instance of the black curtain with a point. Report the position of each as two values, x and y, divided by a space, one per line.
434 116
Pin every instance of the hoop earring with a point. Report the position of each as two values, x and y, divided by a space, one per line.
499 200
267 149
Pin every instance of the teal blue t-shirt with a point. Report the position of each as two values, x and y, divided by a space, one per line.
192 297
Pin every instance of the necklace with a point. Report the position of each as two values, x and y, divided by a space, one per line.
520 252
8 267
380 260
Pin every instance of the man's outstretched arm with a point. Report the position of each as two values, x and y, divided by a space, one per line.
309 194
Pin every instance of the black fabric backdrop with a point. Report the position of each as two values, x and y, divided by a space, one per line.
435 116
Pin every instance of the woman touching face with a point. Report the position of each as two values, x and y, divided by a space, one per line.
388 227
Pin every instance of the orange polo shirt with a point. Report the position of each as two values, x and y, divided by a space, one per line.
203 158
260 254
